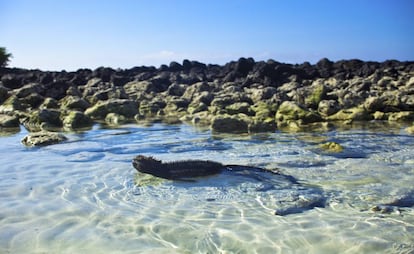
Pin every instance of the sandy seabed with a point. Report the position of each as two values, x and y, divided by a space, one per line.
84 195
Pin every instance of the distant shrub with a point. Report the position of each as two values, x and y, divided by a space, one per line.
4 57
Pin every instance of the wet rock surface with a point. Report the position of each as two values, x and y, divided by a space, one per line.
240 96
43 138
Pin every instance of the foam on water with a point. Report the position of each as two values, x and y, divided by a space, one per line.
84 196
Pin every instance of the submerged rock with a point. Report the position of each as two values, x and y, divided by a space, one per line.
405 200
331 147
43 138
300 201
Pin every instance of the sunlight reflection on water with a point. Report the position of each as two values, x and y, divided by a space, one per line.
84 196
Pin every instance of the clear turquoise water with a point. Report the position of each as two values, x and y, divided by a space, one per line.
84 196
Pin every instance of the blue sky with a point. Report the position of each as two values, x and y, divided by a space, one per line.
72 34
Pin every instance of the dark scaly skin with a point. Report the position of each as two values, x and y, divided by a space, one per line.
193 168
176 170
187 169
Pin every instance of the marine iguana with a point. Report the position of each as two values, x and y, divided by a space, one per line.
185 169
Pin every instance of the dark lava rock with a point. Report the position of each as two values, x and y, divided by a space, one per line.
43 139
344 90
7 121
128 108
229 124
76 120
4 93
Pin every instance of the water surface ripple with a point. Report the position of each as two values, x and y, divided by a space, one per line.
84 196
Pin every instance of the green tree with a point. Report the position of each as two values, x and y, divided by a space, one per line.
4 57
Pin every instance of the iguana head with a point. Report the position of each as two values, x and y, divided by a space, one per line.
145 164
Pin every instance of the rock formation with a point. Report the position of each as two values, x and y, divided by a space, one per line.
240 96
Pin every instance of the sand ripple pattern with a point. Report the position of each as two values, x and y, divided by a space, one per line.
83 196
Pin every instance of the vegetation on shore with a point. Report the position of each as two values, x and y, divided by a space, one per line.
4 57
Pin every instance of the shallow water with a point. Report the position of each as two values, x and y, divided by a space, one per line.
84 196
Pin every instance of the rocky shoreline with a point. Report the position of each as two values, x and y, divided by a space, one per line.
241 96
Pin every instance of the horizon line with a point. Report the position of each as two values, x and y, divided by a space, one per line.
164 65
